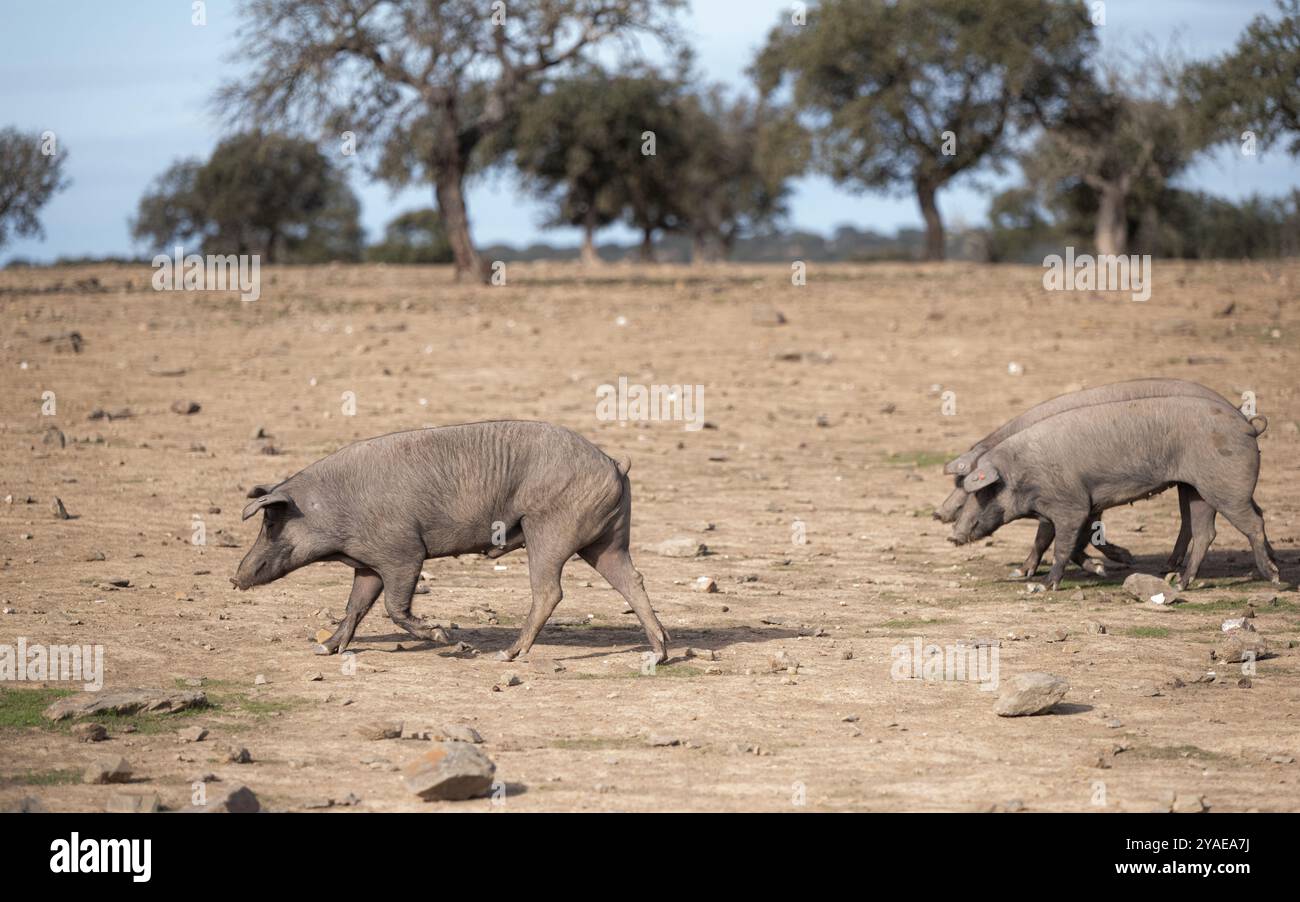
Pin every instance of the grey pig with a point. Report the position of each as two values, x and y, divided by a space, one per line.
1069 467
953 505
385 505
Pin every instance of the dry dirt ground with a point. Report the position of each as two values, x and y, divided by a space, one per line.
832 419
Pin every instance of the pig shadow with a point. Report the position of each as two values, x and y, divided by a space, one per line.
581 642
1217 565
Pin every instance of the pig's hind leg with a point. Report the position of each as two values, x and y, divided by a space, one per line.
366 586
611 559
550 545
1199 521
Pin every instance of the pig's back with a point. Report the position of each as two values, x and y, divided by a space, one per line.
1133 389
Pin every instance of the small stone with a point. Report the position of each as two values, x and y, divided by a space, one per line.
661 740
133 803
846 654
108 770
58 510
1145 587
1096 629
1238 646
1282 759
193 734
460 732
680 546
322 635
1188 804
186 408
704 584
544 665
378 730
238 755
1031 693
237 799
449 771
511 679
90 732
260 680
783 663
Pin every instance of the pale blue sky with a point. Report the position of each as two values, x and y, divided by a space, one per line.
126 86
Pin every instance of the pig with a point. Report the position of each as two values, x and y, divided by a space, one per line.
953 506
384 505
1068 467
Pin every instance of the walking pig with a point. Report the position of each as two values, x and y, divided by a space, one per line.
1068 467
957 504
385 505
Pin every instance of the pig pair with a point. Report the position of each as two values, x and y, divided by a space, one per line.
1067 460
385 505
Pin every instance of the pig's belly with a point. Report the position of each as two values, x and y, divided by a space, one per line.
1126 492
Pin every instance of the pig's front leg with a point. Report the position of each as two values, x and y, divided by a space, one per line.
399 589
366 586
1042 538
1071 536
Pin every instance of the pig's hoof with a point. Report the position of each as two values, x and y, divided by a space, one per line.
1096 568
322 650
504 655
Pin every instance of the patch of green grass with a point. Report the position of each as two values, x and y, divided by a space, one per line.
1147 632
1236 605
21 707
42 778
918 458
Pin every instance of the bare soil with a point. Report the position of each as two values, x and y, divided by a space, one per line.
833 419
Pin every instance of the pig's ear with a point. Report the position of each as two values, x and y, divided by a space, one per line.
265 501
258 491
984 475
959 466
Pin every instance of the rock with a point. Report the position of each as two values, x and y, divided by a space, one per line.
1030 693
314 677
186 408
237 754
450 771
90 732
107 770
1237 623
544 665
237 799
322 635
133 803
260 680
511 679
459 732
378 730
783 663
1238 646
1096 628
124 702
1188 804
704 584
193 734
766 315
58 510
54 436
1145 587
661 740
680 546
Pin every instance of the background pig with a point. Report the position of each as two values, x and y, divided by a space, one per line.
385 505
1067 468
952 507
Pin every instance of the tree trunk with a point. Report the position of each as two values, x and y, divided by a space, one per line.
450 195
1111 236
589 256
934 238
647 245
